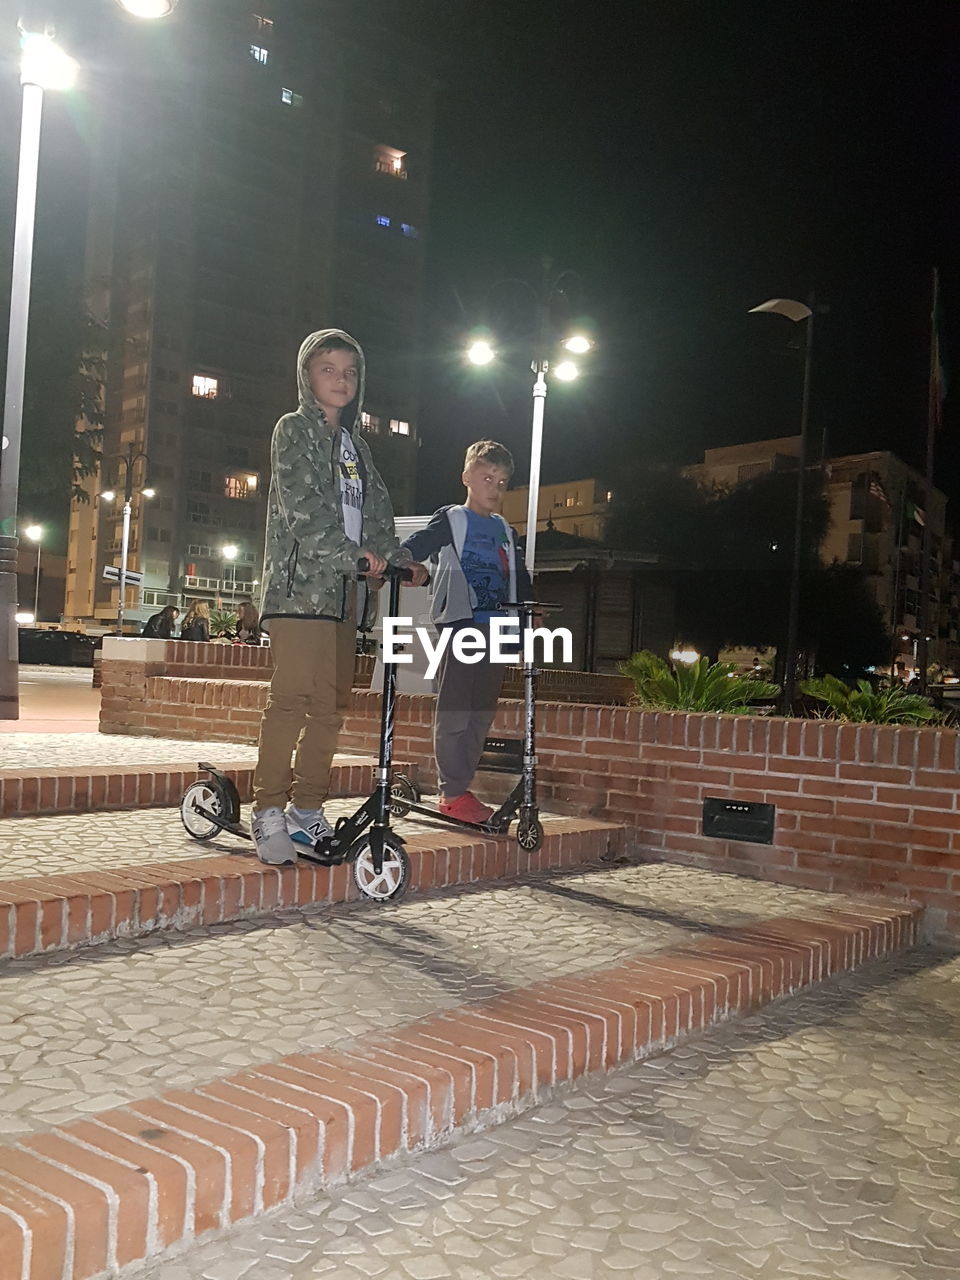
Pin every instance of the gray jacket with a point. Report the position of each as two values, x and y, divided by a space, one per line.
442 542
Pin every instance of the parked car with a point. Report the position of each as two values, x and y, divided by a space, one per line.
57 648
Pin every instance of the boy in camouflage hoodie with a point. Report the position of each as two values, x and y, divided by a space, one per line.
327 508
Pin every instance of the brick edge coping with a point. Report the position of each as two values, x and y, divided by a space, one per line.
75 789
143 1180
43 914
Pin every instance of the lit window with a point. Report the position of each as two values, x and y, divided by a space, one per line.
382 220
291 99
571 499
235 487
370 422
204 387
389 161
410 230
609 495
259 54
265 24
399 428
252 482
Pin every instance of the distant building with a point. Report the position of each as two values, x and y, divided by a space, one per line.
877 512
577 507
256 175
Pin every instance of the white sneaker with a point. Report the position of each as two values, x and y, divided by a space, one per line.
270 837
306 826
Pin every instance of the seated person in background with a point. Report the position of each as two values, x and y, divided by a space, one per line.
249 630
160 626
196 625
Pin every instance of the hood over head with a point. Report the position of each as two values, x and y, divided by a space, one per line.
350 415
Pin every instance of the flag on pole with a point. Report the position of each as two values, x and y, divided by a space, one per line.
876 489
915 513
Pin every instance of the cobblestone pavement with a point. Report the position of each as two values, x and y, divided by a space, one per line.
67 842
817 1140
96 750
81 1032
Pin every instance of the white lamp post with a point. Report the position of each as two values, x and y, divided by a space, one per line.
230 553
35 533
128 461
43 65
482 352
795 311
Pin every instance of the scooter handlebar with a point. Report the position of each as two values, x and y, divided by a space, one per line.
391 571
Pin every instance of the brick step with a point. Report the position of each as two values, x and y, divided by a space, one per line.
77 789
53 912
92 1196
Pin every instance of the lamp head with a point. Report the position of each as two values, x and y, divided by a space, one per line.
566 371
148 8
34 532
108 495
578 344
44 63
149 493
480 352
230 552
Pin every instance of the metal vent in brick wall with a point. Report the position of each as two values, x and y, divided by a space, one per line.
739 820
502 755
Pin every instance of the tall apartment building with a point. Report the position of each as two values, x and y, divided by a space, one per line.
260 170
878 510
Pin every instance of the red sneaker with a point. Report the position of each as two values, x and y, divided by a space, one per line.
466 808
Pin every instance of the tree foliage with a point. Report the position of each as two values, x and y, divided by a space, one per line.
731 552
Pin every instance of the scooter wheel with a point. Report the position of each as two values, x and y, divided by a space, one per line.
529 834
402 795
394 878
202 795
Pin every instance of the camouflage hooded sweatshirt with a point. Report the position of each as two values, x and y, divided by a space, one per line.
308 561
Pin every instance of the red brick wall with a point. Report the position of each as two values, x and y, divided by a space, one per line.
859 807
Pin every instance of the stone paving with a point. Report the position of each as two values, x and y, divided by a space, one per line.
818 1139
30 751
83 1032
62 843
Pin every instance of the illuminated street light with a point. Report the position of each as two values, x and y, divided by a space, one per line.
35 533
148 8
480 353
43 65
686 656
795 311
129 462
579 344
546 339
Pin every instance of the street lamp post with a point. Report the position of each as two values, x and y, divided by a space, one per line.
482 352
230 553
128 462
796 311
43 65
35 533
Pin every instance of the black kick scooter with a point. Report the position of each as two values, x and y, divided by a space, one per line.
381 868
521 803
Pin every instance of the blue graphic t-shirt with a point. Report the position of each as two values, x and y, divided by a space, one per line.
486 564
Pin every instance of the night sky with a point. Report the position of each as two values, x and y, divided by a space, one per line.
690 160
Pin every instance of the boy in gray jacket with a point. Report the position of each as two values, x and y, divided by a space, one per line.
478 572
327 508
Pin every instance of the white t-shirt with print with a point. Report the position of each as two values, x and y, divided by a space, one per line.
351 489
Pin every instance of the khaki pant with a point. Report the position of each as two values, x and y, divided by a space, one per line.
309 694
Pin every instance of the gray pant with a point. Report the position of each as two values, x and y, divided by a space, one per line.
467 695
